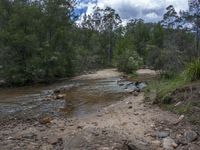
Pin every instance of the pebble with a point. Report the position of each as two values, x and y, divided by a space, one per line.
136 93
10 138
60 96
152 126
47 147
177 104
45 120
99 115
95 123
129 103
79 127
53 140
104 148
179 119
130 107
136 114
156 142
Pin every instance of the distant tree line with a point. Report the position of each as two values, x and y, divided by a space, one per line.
40 41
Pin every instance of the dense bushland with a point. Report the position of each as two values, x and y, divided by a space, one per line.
40 41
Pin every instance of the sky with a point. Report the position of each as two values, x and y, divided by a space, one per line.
148 10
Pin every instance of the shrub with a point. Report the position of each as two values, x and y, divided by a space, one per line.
167 60
129 61
192 72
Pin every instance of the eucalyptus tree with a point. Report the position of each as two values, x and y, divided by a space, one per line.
192 20
105 21
170 18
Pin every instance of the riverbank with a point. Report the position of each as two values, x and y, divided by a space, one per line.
128 123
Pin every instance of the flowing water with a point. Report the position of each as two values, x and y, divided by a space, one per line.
82 98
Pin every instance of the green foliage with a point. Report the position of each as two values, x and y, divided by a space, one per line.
157 36
164 88
129 61
192 72
39 41
34 42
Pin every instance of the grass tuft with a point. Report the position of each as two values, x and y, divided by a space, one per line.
164 88
192 72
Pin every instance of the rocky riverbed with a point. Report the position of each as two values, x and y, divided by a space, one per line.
103 112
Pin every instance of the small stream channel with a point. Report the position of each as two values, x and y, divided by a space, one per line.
83 97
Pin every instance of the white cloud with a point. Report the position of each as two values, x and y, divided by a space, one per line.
149 10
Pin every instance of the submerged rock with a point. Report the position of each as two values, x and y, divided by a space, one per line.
131 87
141 86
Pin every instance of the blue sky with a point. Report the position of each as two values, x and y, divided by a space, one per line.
149 10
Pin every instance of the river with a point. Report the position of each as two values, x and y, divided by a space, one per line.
82 97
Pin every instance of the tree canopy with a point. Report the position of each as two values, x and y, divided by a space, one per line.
40 40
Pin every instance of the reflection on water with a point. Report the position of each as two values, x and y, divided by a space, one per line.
83 98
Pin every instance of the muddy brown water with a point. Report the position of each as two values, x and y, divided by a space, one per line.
83 97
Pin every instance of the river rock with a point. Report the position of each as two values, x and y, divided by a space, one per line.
130 107
156 142
141 85
131 146
46 147
99 115
2 82
104 148
129 91
136 93
53 140
45 120
60 96
11 138
169 143
62 89
179 119
80 127
129 103
162 134
178 104
190 136
30 133
194 147
120 83
32 146
136 114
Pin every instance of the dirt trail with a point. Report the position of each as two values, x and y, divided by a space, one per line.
127 124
